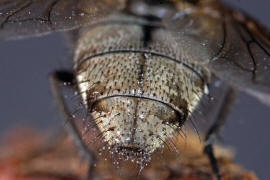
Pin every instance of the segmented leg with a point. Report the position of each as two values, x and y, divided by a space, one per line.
215 129
58 79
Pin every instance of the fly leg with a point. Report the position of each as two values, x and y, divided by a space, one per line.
215 129
58 79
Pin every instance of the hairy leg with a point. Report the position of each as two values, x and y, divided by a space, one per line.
215 129
58 79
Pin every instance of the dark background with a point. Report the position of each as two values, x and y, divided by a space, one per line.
25 96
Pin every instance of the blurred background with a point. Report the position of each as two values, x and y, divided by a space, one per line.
25 96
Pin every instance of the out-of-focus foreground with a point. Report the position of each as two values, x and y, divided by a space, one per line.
26 154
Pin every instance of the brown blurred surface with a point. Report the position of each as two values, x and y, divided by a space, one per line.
26 154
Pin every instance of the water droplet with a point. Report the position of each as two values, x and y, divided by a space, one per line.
147 55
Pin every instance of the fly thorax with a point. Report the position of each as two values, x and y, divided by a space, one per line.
134 86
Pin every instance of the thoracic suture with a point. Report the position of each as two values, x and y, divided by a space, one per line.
135 122
147 36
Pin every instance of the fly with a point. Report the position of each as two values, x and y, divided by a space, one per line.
142 67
